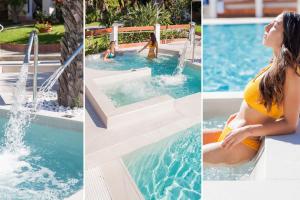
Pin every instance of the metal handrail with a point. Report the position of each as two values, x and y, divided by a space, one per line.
46 86
1 28
33 39
71 58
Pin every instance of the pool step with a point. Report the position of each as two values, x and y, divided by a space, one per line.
20 57
15 66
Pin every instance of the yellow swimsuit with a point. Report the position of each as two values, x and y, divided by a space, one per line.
252 97
151 53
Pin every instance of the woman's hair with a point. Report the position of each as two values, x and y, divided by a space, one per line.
272 83
111 44
152 38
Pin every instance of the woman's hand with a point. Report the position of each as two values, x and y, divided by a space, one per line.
235 137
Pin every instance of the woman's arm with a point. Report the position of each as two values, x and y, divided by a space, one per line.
156 49
144 47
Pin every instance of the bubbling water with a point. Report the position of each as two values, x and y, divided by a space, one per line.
19 116
20 178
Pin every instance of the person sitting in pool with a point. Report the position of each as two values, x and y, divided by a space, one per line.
271 104
110 52
153 47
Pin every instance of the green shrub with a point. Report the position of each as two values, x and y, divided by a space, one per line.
92 15
146 15
95 45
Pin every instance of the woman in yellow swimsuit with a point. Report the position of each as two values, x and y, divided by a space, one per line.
153 47
271 104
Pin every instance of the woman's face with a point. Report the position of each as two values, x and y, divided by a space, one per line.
273 35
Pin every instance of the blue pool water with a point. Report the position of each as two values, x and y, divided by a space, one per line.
233 54
170 168
50 167
131 60
141 89
162 80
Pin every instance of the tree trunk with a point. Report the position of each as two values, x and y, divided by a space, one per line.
70 92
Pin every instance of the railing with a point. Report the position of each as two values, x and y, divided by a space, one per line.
47 85
103 31
1 28
33 39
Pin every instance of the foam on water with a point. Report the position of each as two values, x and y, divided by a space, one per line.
19 115
178 79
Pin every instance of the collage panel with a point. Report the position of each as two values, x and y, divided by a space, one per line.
149 99
143 100
251 99
41 111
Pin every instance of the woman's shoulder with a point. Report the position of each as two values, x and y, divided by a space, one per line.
293 73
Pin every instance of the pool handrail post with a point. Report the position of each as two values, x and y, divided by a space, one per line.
157 32
212 8
114 34
35 64
259 8
32 39
192 39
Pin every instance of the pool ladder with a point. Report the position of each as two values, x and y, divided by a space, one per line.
33 39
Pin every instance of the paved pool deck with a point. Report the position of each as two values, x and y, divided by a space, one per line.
104 147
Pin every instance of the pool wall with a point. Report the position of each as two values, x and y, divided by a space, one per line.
51 119
113 116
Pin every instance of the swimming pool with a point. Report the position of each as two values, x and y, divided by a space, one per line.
239 172
131 60
141 89
233 55
162 80
49 167
170 168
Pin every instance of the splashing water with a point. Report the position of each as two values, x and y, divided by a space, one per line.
19 177
180 67
19 116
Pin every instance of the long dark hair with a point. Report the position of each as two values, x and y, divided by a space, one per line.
272 83
152 38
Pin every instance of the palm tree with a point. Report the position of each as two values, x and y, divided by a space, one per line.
70 92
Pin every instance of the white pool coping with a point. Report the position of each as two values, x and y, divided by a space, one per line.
109 157
113 116
246 20
278 166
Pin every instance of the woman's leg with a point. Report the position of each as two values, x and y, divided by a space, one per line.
215 154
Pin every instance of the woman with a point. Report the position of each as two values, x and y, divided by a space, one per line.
271 104
153 47
110 52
